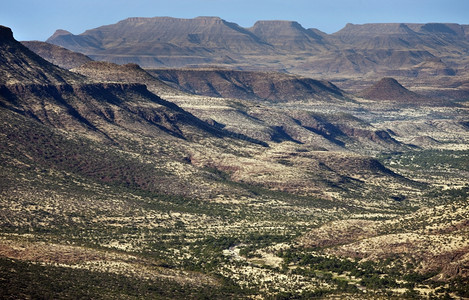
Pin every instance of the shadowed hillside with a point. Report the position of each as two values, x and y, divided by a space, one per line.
57 55
248 85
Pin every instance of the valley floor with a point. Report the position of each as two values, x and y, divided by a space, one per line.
247 221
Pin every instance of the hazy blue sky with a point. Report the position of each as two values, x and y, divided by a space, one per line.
38 19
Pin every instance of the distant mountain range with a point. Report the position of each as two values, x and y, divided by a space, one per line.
385 49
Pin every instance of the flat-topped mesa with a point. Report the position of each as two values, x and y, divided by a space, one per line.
165 42
203 20
276 23
6 34
272 29
137 38
374 29
287 35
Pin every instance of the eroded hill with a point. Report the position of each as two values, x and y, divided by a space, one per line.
115 185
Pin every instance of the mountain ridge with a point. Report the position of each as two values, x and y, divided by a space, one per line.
32 86
34 68
277 45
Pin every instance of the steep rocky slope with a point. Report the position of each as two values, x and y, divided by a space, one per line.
21 65
59 56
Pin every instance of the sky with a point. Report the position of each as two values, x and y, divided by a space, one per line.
38 19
